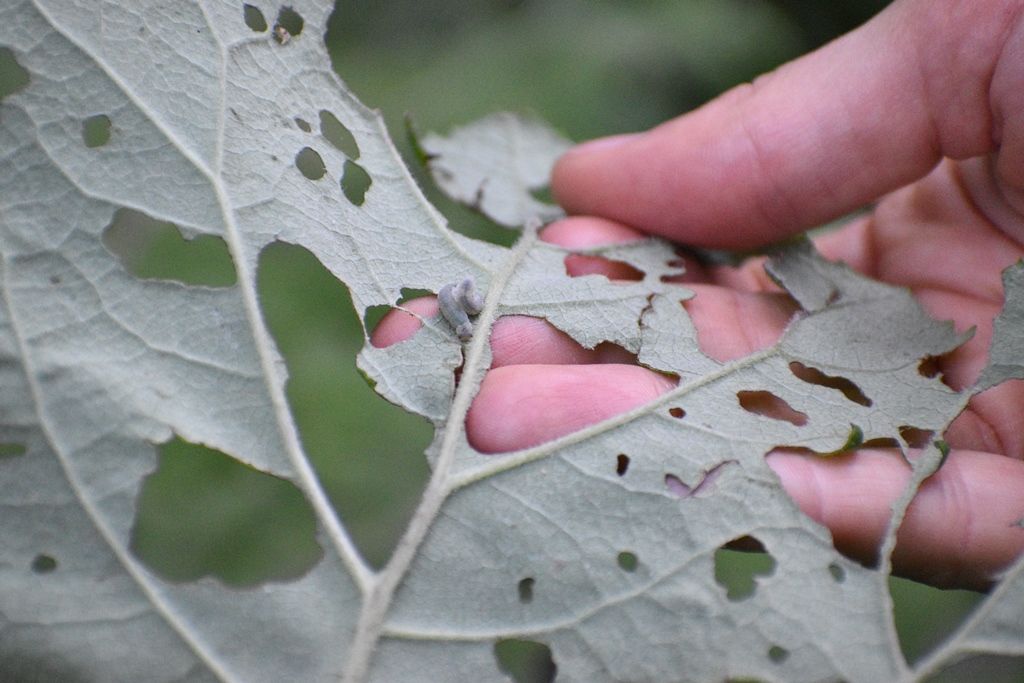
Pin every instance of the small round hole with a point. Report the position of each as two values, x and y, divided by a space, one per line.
254 18
96 131
43 564
621 464
310 164
627 561
526 590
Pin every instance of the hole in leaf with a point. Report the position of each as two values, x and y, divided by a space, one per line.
254 18
676 486
745 544
96 130
310 164
373 476
737 571
202 513
778 654
577 265
338 135
373 316
854 439
837 572
10 449
410 293
627 561
985 668
706 483
13 76
543 194
303 126
881 442
925 616
290 20
157 250
44 564
929 367
404 324
916 437
813 375
526 661
677 413
526 590
355 182
767 404
621 464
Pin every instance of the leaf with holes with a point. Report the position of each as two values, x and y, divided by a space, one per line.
599 547
497 165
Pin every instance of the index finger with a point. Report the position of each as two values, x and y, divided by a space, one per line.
820 136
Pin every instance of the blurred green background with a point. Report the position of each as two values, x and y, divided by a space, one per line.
590 68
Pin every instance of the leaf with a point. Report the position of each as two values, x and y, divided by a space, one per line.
495 165
614 571
1006 358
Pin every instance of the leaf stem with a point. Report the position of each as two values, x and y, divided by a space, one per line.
378 600
927 463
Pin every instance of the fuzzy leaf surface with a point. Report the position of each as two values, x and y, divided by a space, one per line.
496 164
96 366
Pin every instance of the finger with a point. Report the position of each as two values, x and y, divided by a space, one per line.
811 141
514 339
730 324
586 232
520 339
961 530
572 233
537 403
402 323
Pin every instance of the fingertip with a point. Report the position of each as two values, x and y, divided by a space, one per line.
598 178
564 173
584 232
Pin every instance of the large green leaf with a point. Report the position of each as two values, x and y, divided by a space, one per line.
188 114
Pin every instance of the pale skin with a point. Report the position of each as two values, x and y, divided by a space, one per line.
919 113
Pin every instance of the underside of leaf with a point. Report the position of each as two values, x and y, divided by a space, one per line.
598 548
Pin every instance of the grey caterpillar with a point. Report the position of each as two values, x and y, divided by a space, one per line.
457 302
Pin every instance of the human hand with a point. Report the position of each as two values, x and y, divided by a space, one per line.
875 112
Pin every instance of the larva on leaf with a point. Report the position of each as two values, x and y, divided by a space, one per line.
457 302
467 294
